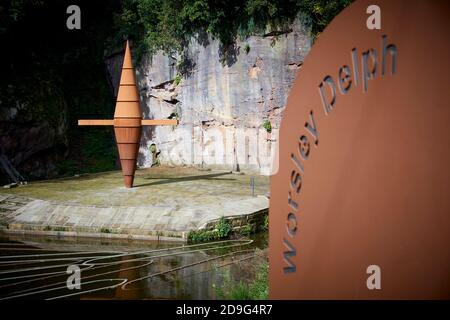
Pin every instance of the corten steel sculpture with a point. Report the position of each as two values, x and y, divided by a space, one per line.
128 120
360 205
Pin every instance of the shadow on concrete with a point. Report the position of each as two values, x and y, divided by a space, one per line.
211 176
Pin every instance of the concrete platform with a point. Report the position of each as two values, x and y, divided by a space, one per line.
165 204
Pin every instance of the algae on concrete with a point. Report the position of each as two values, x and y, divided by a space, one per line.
157 185
165 203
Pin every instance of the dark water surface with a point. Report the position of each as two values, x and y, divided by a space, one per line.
33 267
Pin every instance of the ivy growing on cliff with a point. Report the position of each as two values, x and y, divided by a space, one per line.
168 25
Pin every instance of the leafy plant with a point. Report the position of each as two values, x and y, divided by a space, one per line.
105 230
248 229
59 229
202 236
154 151
266 222
221 231
247 48
223 228
152 148
258 289
177 79
268 126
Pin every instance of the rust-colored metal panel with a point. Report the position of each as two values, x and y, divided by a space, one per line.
163 122
128 170
127 77
128 181
363 179
128 166
127 61
128 151
127 122
95 122
128 135
128 146
127 110
128 94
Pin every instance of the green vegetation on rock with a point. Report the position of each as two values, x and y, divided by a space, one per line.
169 24
258 289
177 79
247 230
268 126
247 48
266 222
222 231
105 230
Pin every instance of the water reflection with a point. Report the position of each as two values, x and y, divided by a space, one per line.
35 267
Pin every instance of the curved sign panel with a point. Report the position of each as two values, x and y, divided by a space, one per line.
360 206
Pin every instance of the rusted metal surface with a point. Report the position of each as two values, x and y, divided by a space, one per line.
127 120
95 122
162 122
364 177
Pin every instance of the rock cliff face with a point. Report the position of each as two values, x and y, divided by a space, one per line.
229 100
33 135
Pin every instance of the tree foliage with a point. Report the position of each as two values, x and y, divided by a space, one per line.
169 24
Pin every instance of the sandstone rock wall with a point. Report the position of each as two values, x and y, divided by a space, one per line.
225 100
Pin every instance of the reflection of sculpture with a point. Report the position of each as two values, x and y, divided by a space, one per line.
128 120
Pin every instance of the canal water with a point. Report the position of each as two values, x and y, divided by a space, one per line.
33 267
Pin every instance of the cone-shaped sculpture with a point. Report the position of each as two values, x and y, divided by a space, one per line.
127 120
